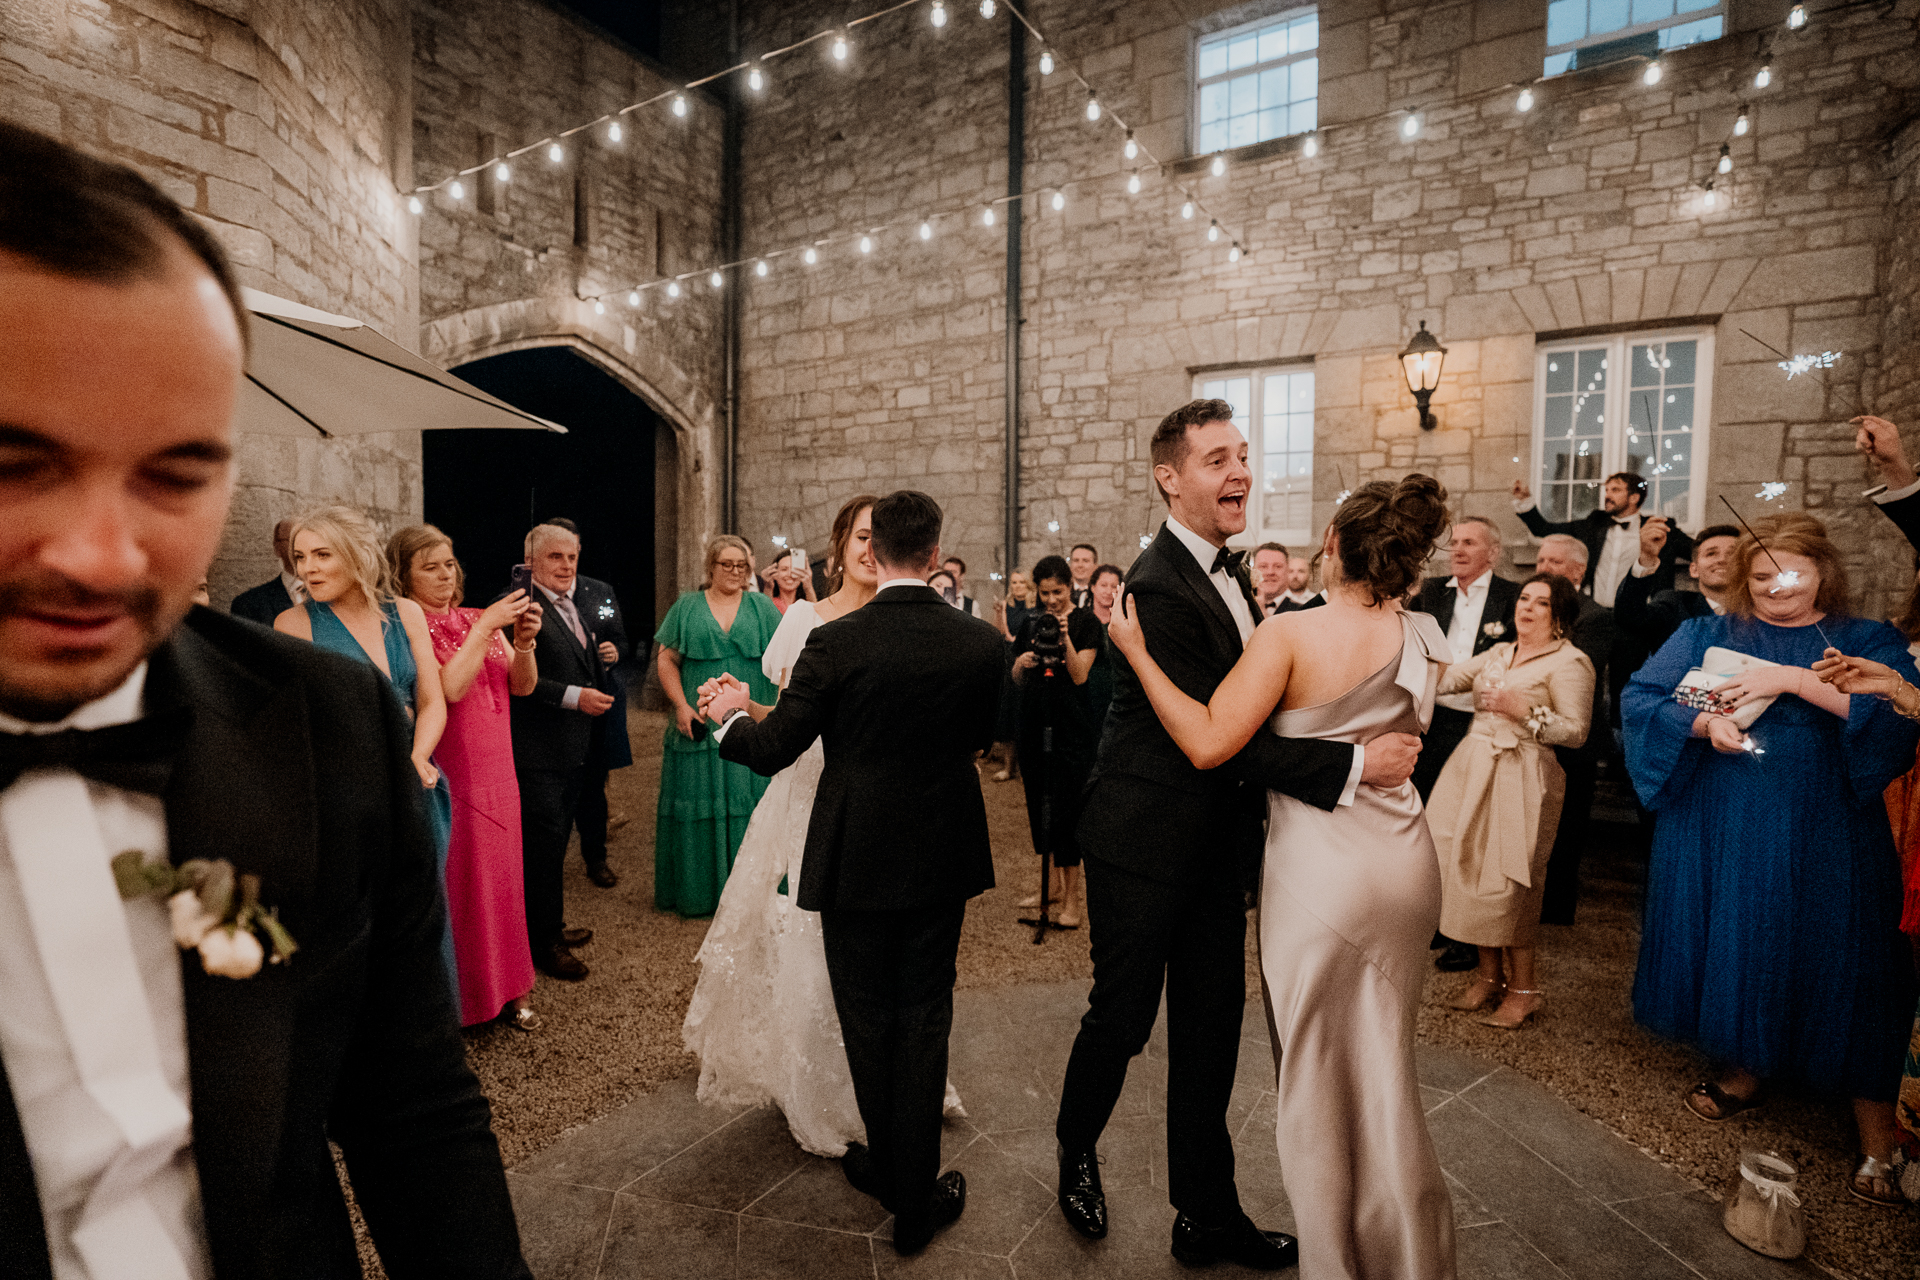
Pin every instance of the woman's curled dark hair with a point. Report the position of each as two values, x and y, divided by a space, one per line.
1387 531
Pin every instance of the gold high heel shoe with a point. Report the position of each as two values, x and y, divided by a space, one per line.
1494 991
1493 1019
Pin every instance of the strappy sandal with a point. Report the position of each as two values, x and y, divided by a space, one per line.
1493 1020
1727 1104
1875 1175
1495 992
524 1020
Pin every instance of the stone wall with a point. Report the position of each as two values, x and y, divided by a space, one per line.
1492 225
284 127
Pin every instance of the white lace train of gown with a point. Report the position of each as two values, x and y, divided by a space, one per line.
762 1020
1348 903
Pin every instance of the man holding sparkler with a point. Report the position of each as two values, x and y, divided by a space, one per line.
1898 493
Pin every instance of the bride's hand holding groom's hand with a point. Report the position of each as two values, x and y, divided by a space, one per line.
728 695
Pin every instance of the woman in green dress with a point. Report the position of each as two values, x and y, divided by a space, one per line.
705 802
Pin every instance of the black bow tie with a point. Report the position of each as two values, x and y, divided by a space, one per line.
1624 524
134 757
1232 561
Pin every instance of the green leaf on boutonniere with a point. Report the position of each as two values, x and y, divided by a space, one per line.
283 943
216 889
135 877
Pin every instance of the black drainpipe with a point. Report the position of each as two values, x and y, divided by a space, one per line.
730 252
1015 213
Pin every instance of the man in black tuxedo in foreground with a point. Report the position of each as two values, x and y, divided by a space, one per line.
157 1120
903 693
1171 853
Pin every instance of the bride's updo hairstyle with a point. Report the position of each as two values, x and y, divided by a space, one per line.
1387 531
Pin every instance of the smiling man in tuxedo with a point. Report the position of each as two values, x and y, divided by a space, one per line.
158 1122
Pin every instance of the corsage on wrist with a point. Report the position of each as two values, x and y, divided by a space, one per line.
1538 718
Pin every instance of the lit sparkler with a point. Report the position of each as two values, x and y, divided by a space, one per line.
1752 748
1801 364
1784 579
1771 489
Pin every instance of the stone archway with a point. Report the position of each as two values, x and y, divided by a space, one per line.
618 349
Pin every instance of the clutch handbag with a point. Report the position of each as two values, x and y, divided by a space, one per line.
1717 666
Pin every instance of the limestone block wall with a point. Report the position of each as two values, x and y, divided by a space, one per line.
1493 226
284 127
520 263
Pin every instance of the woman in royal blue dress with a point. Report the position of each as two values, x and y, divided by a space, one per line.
1772 935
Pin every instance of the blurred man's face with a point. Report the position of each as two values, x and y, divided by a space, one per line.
1554 559
1713 562
1471 552
283 545
1270 572
959 578
1618 499
1082 564
1299 573
116 421
1106 589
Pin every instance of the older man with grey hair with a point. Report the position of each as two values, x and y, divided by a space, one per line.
1565 556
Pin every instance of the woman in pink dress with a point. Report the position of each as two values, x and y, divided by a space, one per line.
485 896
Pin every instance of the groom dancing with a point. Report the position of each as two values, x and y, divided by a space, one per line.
1171 852
903 692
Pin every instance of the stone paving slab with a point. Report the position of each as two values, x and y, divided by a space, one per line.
668 1188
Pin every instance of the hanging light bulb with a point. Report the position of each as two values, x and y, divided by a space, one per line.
1726 160
760 267
939 14
1059 201
1797 17
811 256
1764 76
1740 125
599 307
866 244
613 132
987 8
673 288
986 219
1133 184
501 173
1233 254
926 231
458 190
556 153
715 280
1093 107
633 298
1410 127
756 81
1524 102
1311 147
1046 62
414 205
680 105
1219 165
1132 148
1709 198
1653 73
1213 230
839 48
1186 210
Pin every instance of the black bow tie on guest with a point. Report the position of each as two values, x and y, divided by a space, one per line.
1232 561
137 756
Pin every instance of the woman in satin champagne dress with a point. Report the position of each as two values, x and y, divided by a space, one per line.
1348 899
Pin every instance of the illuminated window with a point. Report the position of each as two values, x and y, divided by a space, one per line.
1257 81
1274 407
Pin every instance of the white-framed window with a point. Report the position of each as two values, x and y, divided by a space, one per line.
1274 407
1257 81
1635 402
1590 33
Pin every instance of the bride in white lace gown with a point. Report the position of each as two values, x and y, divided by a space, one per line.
762 1020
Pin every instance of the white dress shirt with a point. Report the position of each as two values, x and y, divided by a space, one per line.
1619 556
571 698
1469 605
95 1032
1235 599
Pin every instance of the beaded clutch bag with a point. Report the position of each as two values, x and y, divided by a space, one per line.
1717 666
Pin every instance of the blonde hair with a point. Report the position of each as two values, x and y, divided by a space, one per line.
353 538
1796 534
713 554
403 546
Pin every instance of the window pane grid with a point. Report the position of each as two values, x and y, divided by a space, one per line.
1660 422
1611 30
1574 437
1258 82
1280 451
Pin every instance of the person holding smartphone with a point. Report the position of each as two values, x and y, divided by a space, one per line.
1053 654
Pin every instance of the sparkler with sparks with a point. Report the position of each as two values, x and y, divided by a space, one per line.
1771 489
1819 364
1783 579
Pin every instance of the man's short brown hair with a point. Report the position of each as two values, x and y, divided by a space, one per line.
1169 446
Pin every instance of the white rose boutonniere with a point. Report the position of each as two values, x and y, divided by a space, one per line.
1494 630
212 911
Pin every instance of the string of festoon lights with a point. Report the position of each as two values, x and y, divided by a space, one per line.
1137 158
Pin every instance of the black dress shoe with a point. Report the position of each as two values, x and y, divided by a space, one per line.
575 937
943 1209
1082 1201
558 962
857 1165
1242 1242
1458 958
603 875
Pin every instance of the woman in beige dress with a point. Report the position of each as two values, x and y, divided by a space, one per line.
1496 806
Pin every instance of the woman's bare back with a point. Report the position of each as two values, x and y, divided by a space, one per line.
1334 648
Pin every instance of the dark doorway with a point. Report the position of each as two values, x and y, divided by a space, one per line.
487 488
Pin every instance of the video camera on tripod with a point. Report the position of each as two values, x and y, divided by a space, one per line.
1049 646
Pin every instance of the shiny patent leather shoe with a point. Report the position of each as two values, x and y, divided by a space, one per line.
949 1201
1083 1203
1242 1242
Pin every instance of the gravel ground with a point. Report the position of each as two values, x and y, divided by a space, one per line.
617 1034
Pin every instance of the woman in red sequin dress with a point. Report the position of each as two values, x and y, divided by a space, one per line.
485 896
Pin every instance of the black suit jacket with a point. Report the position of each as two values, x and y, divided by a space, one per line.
547 735
600 612
1190 822
296 769
1651 617
1595 632
1437 598
1284 605
902 693
1905 514
1592 528
262 604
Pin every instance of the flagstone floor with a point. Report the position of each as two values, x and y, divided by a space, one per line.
668 1188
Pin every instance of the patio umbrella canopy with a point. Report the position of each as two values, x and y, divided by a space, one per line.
311 372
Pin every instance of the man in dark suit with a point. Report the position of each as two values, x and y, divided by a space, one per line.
1171 851
156 1119
1566 557
902 693
1653 620
552 737
264 603
608 748
1298 593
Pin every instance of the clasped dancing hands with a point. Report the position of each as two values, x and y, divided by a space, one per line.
721 696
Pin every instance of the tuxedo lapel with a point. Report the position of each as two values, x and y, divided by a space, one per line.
242 789
1169 547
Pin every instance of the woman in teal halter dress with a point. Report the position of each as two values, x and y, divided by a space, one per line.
341 566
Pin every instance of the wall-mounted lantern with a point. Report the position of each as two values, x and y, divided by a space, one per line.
1422 361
